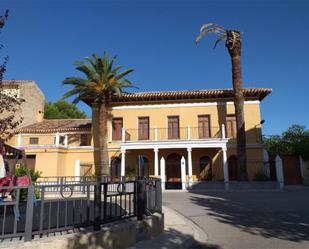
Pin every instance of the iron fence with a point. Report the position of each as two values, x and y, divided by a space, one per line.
44 209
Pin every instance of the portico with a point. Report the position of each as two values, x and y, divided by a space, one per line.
189 152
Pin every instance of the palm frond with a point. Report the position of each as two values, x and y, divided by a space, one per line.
220 38
210 28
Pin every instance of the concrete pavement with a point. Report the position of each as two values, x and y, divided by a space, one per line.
247 220
180 233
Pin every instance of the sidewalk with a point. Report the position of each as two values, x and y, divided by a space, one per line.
179 233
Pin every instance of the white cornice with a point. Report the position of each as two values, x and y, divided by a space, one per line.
129 107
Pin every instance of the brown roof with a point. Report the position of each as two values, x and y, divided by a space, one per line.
249 93
61 125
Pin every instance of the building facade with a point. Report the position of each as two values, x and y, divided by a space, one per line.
181 136
32 109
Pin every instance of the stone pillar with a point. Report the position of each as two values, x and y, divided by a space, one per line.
279 171
266 164
162 171
183 172
156 162
123 162
57 141
66 142
222 131
225 169
302 167
77 170
190 165
19 139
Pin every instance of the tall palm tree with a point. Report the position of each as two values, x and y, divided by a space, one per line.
102 81
232 39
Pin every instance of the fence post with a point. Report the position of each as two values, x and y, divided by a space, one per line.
29 214
97 205
279 171
158 196
141 198
105 201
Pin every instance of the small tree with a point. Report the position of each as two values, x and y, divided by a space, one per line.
9 104
62 110
294 141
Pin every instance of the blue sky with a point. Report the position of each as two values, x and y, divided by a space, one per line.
44 38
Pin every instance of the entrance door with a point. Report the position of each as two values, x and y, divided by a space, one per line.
115 167
232 162
173 171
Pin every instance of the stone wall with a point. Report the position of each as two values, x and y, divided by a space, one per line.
116 235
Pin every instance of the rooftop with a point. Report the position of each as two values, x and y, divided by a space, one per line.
60 125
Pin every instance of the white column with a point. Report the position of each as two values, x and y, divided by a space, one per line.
183 172
77 170
123 162
19 139
162 171
57 139
266 164
279 171
156 162
223 130
190 165
225 169
302 166
155 133
123 134
189 132
66 141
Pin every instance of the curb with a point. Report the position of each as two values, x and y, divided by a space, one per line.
199 236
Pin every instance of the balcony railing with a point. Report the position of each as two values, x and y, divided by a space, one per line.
164 134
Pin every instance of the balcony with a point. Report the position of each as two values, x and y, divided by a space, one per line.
164 134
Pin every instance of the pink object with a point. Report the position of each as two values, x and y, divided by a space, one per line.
22 181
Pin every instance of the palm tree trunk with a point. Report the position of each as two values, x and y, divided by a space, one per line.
99 131
234 47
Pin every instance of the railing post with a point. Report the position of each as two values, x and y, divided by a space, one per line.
29 214
223 131
97 205
155 133
57 139
19 139
123 134
141 197
189 132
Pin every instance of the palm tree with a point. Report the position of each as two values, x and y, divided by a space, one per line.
232 39
103 81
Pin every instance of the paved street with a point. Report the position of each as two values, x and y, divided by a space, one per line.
247 220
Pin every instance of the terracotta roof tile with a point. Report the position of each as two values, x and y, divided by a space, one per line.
54 125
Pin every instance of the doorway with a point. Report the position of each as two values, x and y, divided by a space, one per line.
173 171
232 162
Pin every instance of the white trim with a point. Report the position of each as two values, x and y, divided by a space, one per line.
129 107
213 143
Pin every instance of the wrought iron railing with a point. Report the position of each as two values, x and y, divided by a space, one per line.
44 209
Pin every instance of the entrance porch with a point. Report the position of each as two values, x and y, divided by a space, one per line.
179 165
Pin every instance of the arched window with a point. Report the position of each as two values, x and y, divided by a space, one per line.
205 168
232 162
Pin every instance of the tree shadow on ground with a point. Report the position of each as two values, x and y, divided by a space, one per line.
282 215
170 239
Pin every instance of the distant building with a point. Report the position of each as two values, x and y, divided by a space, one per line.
32 109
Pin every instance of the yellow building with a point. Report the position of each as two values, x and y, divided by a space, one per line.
181 136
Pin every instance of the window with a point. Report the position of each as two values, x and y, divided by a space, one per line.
231 126
143 128
173 127
33 140
85 140
117 124
204 126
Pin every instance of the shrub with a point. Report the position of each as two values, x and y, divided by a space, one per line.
34 175
260 176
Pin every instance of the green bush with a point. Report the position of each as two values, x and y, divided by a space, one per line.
34 175
260 176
